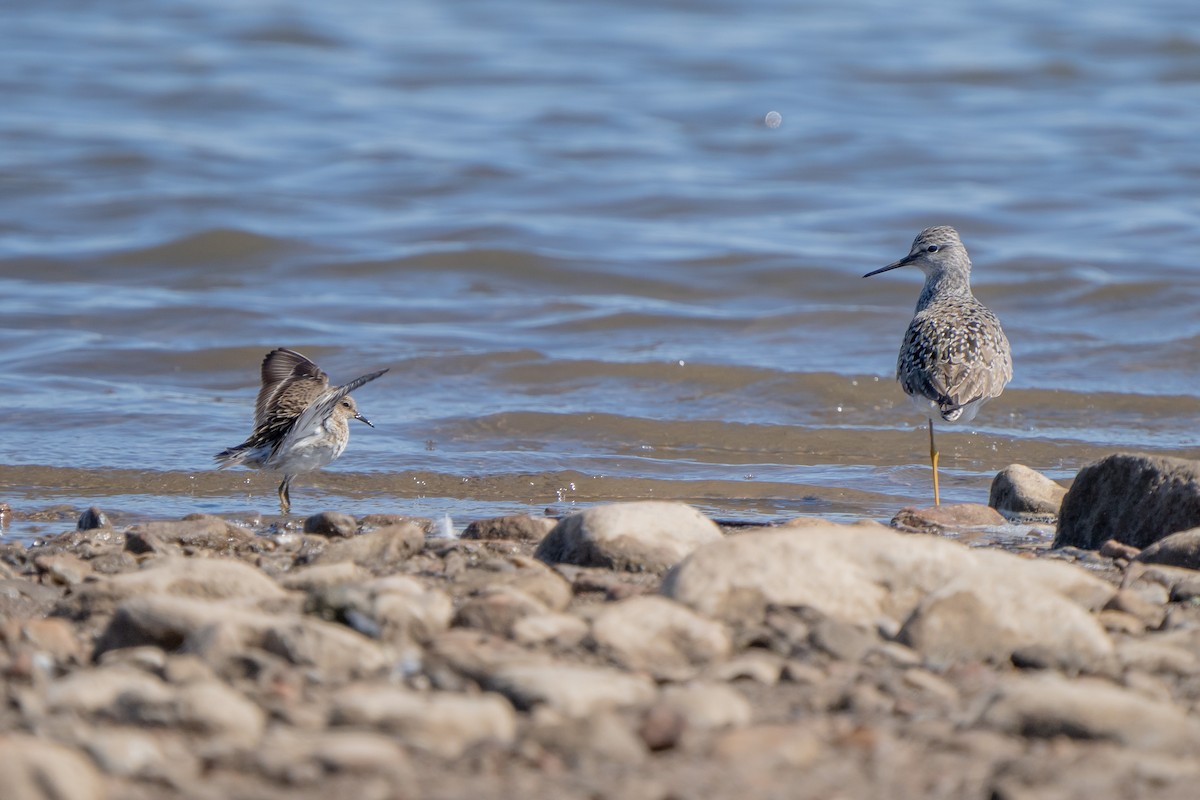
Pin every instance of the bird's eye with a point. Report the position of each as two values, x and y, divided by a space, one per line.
345 404
933 248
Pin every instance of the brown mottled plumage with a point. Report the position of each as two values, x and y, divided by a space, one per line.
955 357
300 424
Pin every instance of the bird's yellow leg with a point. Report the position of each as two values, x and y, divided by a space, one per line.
933 459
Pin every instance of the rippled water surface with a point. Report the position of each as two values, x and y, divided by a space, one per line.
593 269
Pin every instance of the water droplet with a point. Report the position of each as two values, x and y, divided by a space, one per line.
773 119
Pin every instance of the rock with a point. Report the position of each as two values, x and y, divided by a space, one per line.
222 632
1114 549
559 630
768 745
379 550
656 635
1020 492
325 576
601 737
92 518
640 536
442 723
406 609
869 576
118 693
1049 705
302 757
755 664
159 756
571 689
373 522
54 637
951 518
1149 613
1180 549
708 706
205 578
331 523
842 640
497 609
662 727
37 769
64 568
527 575
519 527
1135 499
217 711
198 532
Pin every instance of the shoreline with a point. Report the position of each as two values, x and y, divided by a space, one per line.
631 650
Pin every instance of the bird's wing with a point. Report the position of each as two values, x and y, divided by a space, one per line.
955 366
313 417
282 371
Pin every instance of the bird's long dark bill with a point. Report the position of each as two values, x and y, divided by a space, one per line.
361 418
901 263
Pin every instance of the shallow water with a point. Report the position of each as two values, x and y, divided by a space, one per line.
593 270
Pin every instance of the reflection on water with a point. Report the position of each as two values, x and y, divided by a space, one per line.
594 271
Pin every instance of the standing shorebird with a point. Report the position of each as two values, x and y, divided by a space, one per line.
955 357
300 423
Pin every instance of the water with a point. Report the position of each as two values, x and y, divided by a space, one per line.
595 270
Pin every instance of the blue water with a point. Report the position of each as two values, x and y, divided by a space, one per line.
584 255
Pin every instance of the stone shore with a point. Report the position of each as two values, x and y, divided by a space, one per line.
629 650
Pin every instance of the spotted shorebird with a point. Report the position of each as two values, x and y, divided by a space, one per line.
955 357
300 423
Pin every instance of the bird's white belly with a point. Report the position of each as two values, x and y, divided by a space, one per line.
309 453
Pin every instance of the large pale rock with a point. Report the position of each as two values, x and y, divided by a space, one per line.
37 769
119 693
1020 492
218 632
197 532
659 636
1049 705
301 757
1135 499
380 550
201 578
527 575
707 706
572 689
870 576
140 753
442 723
949 518
520 527
640 536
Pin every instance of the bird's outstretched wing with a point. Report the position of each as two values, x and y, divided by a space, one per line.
286 375
309 422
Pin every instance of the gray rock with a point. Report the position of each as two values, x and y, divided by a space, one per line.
1021 492
36 769
659 636
708 706
527 575
156 756
1135 499
223 632
65 568
208 578
221 713
602 737
1180 549
872 577
520 528
325 576
560 630
197 532
571 689
641 536
304 757
380 550
117 693
1049 705
950 518
442 723
331 523
497 610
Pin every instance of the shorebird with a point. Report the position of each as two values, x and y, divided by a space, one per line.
300 423
955 357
